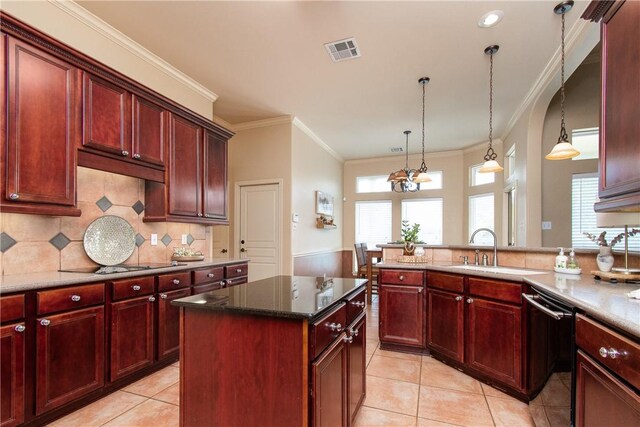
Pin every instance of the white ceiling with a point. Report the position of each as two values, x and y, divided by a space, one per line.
267 59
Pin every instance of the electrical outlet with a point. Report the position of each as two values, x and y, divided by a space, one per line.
184 239
154 240
546 225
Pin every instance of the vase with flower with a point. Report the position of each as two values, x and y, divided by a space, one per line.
605 258
410 237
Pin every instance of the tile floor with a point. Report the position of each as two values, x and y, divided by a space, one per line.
402 390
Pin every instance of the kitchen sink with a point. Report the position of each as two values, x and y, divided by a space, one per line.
499 270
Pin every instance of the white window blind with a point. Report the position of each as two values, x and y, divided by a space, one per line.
584 194
427 213
478 178
379 184
481 216
373 222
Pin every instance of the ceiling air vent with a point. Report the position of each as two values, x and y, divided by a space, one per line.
397 149
343 49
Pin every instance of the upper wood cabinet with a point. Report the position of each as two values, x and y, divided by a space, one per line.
185 168
148 144
215 176
40 131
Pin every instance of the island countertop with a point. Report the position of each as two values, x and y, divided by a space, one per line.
296 297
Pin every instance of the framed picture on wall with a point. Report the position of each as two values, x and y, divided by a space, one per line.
324 204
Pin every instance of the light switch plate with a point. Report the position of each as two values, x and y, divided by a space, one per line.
295 217
184 239
154 240
546 225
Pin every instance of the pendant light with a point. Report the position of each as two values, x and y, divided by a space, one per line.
421 173
490 164
563 148
402 180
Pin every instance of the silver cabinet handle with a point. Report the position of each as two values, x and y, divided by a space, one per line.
210 275
20 328
612 353
75 298
336 327
152 299
353 332
420 290
229 281
401 278
136 156
163 296
459 298
558 315
199 214
14 196
124 153
347 339
469 300
238 270
223 283
136 287
358 304
45 322
176 281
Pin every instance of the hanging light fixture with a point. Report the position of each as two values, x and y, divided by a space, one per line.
402 180
490 163
563 148
421 173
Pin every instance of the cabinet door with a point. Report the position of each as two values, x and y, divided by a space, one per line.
357 367
148 131
169 323
43 128
620 127
185 167
402 315
215 177
494 344
601 399
69 356
131 335
107 116
12 375
329 379
446 323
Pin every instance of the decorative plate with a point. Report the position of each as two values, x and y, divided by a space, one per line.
109 240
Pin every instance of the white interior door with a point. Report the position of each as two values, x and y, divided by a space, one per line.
220 237
259 237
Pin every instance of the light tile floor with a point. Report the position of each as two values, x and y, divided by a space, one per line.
402 390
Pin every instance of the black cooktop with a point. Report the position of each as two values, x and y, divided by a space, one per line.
122 268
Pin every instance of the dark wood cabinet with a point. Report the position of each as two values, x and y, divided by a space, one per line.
215 177
446 323
69 356
132 335
41 117
169 323
185 168
329 382
148 139
357 369
12 373
401 314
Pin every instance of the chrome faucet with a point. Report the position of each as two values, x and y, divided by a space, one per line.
495 243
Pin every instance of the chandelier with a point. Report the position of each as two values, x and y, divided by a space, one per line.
421 173
490 162
402 181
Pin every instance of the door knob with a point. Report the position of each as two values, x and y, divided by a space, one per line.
224 251
243 250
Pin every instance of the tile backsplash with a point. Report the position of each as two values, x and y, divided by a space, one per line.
35 243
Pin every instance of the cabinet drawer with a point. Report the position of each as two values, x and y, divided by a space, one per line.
70 298
236 270
235 281
167 282
326 329
205 288
355 305
11 308
132 288
498 290
207 275
447 282
594 337
402 277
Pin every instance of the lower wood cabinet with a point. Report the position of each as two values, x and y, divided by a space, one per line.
401 314
357 368
69 356
445 323
329 379
12 374
169 323
132 330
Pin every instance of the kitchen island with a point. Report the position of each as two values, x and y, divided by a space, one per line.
282 351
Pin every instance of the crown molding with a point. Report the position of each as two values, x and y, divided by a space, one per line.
92 21
222 122
274 121
418 156
305 129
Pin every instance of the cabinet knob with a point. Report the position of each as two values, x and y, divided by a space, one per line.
136 156
124 153
163 296
347 339
459 298
152 299
612 353
238 270
353 332
207 215
136 287
335 327
401 278
176 281
210 275
223 284
469 300
358 304
75 298
20 328
199 214
45 322
14 196
229 281
420 290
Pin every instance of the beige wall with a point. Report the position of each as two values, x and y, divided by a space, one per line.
313 168
55 21
582 110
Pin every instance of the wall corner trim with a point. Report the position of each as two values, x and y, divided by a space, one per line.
273 121
103 28
307 131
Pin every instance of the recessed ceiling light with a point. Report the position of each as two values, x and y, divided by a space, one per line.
490 19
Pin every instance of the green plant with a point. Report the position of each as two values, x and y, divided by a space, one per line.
602 241
410 232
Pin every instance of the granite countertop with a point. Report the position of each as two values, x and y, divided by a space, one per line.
296 297
598 298
49 279
550 250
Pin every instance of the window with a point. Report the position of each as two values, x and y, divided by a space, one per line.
586 142
510 161
481 216
379 184
478 178
373 222
427 213
584 192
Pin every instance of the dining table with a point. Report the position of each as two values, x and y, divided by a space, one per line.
372 254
